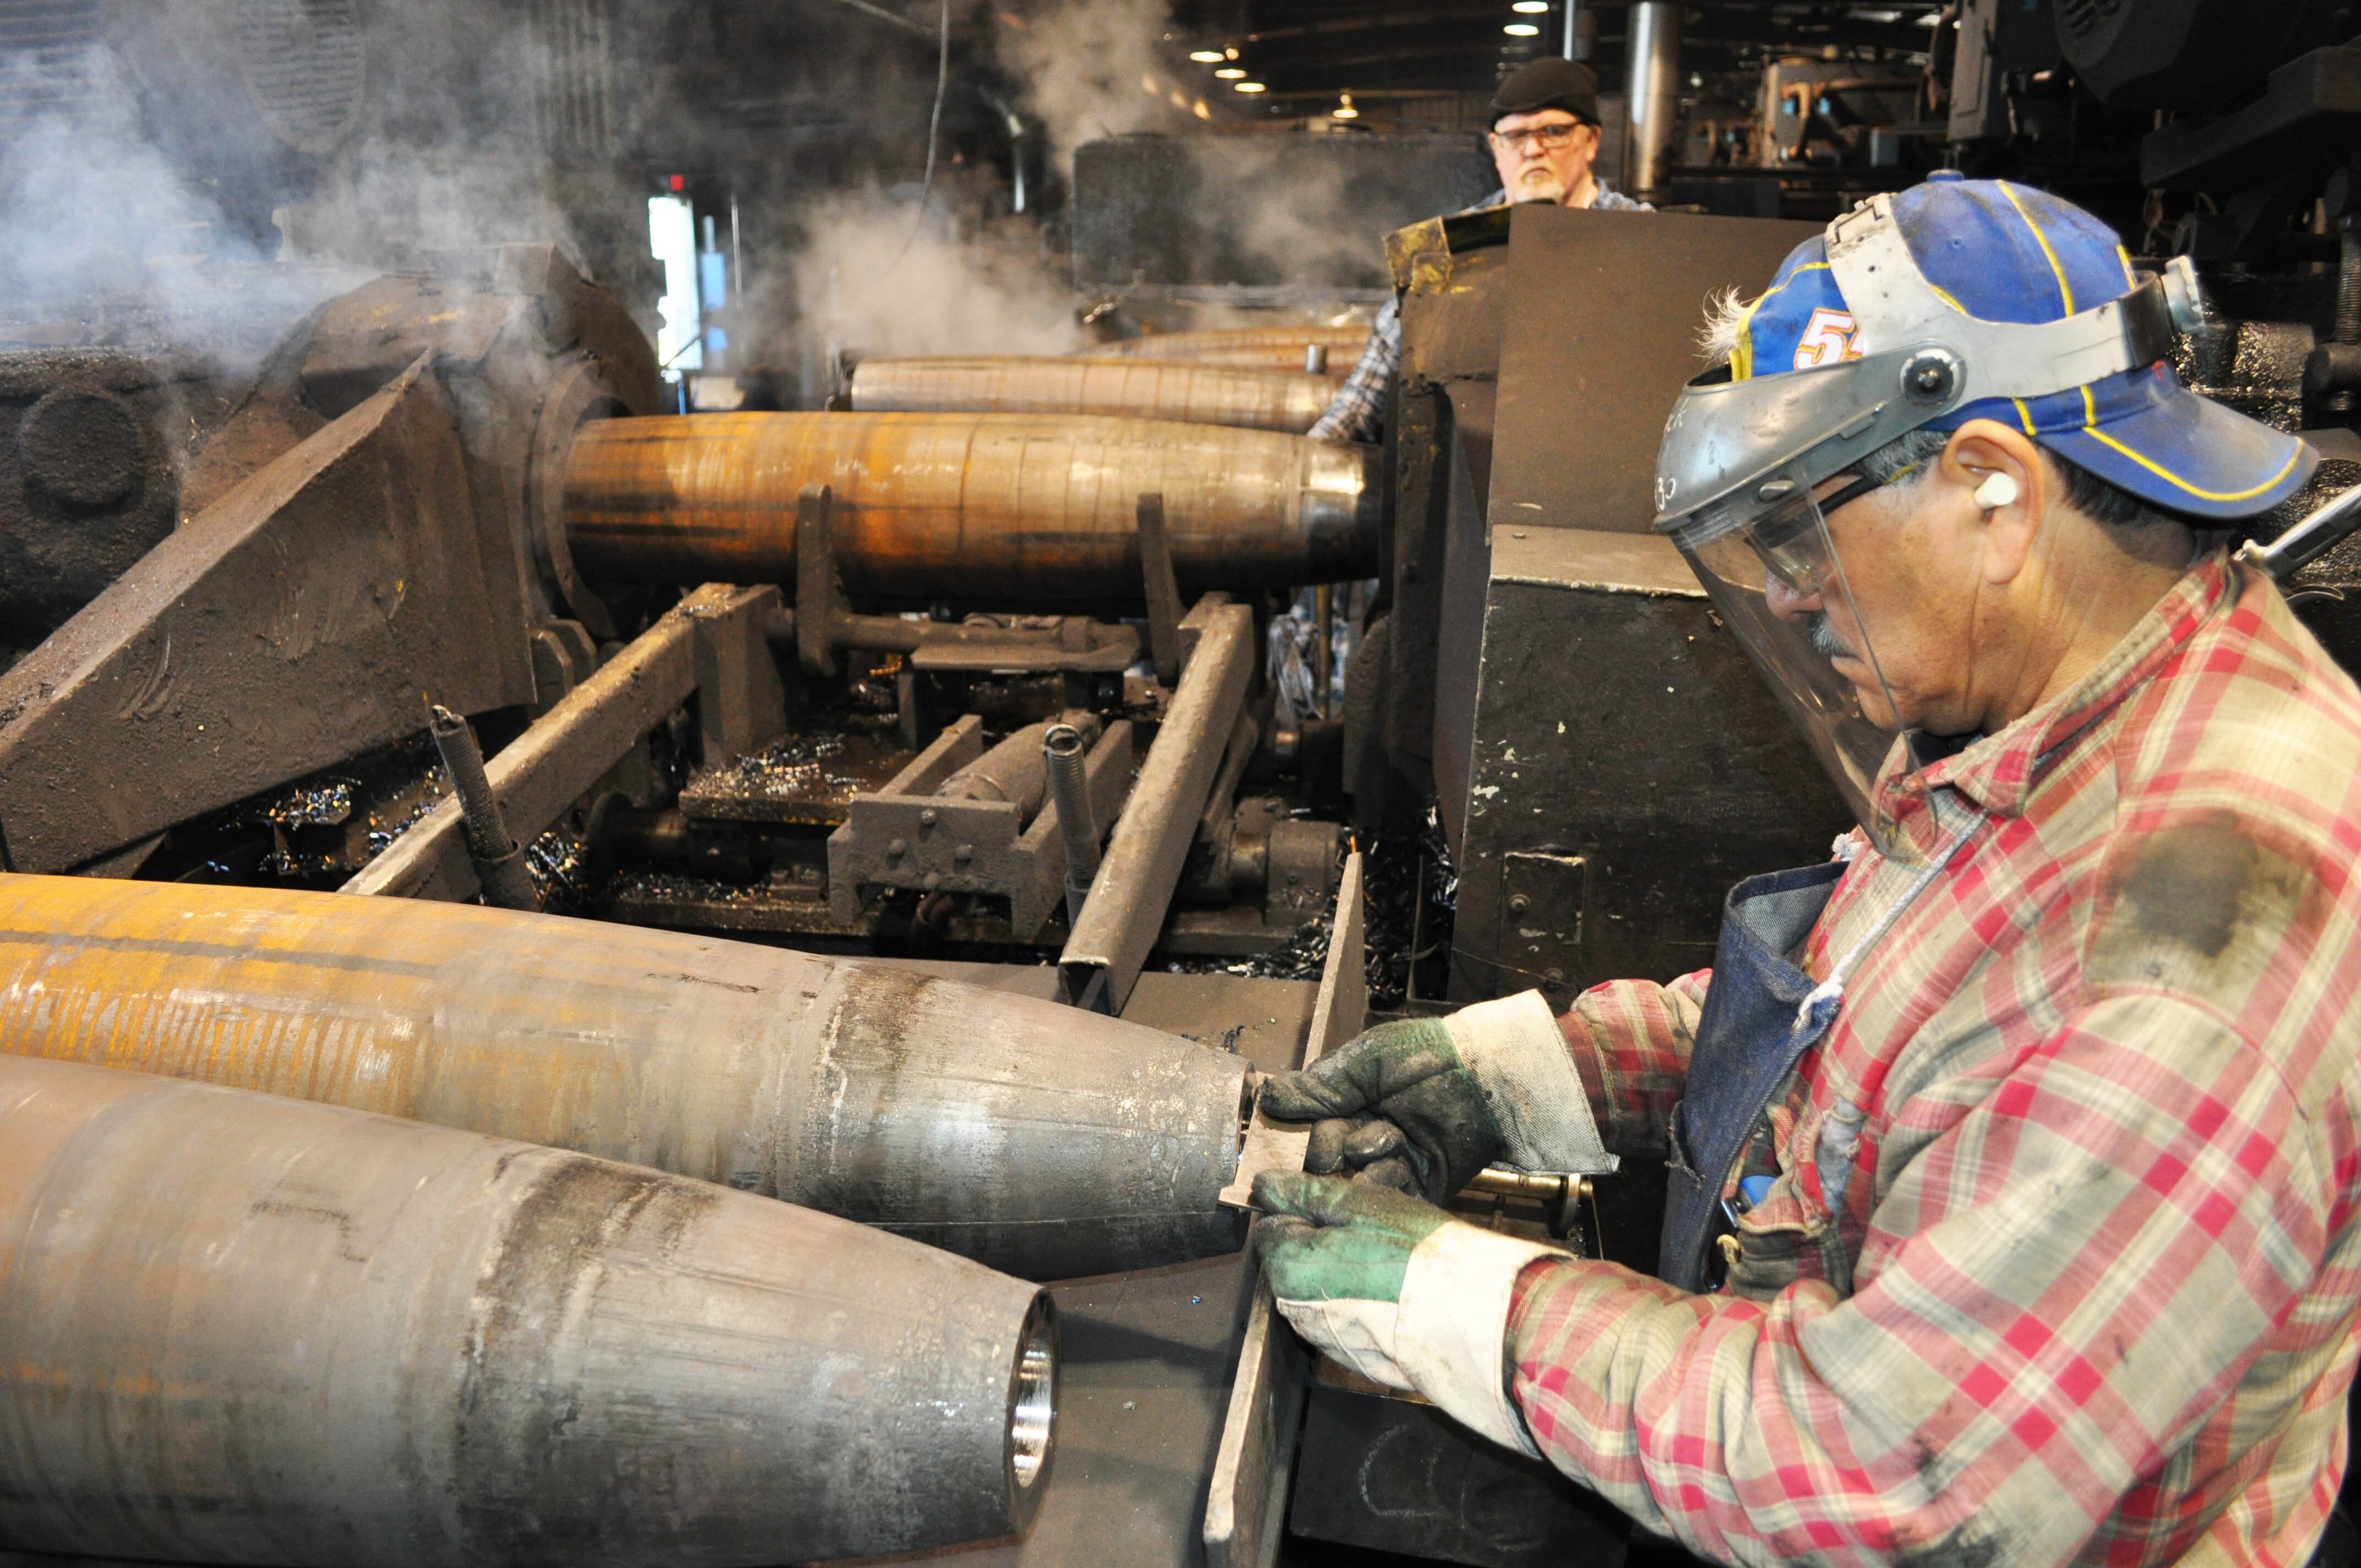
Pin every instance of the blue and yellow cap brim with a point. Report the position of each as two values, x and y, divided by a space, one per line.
2011 253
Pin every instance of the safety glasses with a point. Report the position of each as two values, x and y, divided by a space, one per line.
1548 138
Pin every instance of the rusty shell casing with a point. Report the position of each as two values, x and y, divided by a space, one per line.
1038 1138
242 1329
1255 348
965 505
1137 389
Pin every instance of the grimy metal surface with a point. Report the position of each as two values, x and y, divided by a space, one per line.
244 1329
966 505
542 773
1135 882
303 617
1246 1500
1254 348
1025 1135
1137 388
1601 313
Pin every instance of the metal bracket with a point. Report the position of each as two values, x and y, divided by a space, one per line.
1163 589
740 706
819 596
1541 898
1246 1503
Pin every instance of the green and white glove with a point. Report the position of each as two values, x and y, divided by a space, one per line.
1399 1291
1424 1104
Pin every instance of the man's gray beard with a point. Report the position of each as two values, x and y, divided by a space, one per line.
1823 637
1547 189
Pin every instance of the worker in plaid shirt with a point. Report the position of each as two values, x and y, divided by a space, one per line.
1544 138
2015 1208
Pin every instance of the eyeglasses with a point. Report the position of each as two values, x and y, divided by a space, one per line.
1548 137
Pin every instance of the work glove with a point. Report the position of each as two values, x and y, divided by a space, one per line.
1422 1104
1398 1290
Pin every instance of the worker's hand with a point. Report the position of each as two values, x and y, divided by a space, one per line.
1397 1105
1399 1291
1422 1104
1337 1252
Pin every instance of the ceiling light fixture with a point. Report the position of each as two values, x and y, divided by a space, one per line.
1247 87
1207 56
1343 109
1229 51
1522 30
1231 74
1531 7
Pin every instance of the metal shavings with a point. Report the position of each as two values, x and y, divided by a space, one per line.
321 805
1412 892
384 831
664 887
554 861
793 766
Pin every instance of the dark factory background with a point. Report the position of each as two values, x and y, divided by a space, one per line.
774 188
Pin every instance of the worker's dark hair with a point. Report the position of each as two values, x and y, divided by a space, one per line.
2086 492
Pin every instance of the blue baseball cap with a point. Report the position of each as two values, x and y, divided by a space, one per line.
2005 252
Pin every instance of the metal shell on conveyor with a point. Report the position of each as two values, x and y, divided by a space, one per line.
964 505
1138 388
1038 1138
1259 347
243 1328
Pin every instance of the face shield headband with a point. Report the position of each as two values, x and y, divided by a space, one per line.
1741 463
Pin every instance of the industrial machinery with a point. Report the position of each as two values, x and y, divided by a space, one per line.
479 515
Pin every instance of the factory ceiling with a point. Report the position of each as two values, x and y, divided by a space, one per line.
1315 49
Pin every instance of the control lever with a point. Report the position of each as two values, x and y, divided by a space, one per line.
2308 541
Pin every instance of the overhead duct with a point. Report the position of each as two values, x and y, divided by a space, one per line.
1654 84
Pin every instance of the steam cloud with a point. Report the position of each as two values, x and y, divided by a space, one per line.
1085 61
987 294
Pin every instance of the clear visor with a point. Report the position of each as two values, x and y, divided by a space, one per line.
1777 581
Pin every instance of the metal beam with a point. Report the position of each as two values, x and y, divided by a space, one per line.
1135 880
564 751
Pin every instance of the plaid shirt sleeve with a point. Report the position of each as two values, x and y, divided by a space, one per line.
1630 1040
1357 412
2083 1280
2080 1270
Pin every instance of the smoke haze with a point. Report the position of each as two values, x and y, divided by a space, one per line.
985 294
1085 62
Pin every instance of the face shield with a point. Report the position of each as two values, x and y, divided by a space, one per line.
1778 583
1742 461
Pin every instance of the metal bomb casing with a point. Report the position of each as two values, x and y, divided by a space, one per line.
244 1329
1030 506
1137 389
1038 1138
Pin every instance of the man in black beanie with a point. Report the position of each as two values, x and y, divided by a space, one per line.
1543 139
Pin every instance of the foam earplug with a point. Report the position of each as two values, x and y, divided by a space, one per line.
1997 490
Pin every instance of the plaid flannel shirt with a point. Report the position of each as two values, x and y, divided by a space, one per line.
1357 412
2062 1257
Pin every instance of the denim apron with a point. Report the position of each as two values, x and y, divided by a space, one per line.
1762 1014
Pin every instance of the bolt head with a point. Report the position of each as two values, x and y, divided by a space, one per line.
964 853
1518 903
897 848
927 818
